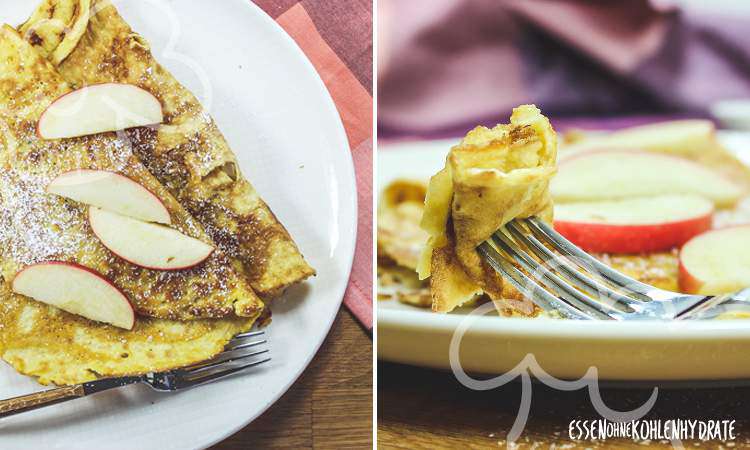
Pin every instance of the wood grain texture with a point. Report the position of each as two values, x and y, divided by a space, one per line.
39 399
330 406
426 409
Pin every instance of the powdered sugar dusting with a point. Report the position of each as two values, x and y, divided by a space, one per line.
36 226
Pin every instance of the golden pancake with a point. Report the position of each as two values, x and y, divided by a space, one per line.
188 154
399 236
490 178
37 227
61 348
59 26
400 241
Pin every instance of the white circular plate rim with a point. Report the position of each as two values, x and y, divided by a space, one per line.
341 178
431 332
352 182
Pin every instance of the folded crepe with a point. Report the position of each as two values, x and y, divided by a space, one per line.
36 226
490 178
60 348
90 43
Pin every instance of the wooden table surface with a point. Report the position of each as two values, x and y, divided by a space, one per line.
330 406
426 409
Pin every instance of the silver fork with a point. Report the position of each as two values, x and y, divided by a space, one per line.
241 353
578 286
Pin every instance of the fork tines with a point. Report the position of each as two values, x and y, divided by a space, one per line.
570 281
241 353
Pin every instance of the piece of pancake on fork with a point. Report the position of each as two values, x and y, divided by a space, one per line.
90 43
40 227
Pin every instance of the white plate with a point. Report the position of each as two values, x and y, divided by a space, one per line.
283 125
710 350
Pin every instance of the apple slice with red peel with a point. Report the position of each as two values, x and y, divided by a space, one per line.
636 225
147 244
612 175
99 108
77 290
111 191
716 262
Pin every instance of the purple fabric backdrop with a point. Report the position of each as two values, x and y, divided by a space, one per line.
446 65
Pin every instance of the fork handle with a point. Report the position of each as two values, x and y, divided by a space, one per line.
38 400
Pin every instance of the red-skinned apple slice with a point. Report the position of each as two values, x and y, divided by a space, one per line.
146 244
99 108
77 290
637 225
111 191
716 262
612 175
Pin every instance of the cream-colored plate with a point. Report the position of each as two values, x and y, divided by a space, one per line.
708 350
